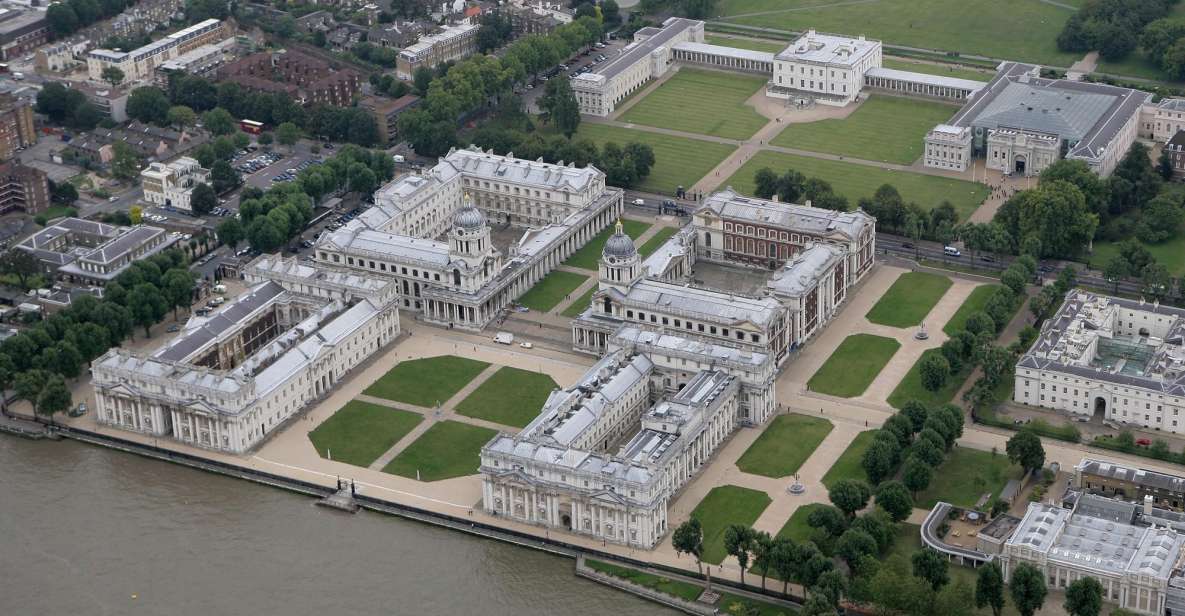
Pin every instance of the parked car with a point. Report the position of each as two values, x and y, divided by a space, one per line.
526 345
78 411
172 329
639 202
908 245
951 251
1143 442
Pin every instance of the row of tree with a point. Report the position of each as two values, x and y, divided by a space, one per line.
792 186
1111 27
66 18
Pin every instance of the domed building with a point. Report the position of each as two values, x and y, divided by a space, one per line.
473 257
620 265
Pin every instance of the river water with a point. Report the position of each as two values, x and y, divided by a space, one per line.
88 531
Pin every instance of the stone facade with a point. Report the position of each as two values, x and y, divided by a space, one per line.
172 184
824 68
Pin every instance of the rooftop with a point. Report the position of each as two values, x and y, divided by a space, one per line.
646 40
728 203
805 270
828 49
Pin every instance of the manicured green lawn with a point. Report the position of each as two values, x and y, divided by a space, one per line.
908 541
946 70
678 161
909 300
910 387
1024 30
448 449
796 527
703 102
965 475
512 397
974 303
658 239
589 254
359 432
1170 254
884 129
580 304
426 382
745 43
853 365
551 290
726 505
784 445
855 181
847 466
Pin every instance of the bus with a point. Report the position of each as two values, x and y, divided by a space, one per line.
251 126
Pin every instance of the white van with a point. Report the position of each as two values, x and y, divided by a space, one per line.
504 338
399 158
951 251
220 288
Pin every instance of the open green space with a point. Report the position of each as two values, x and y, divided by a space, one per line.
1024 30
957 71
974 303
745 43
909 300
658 239
853 365
848 466
551 290
1170 254
854 181
910 387
722 506
965 476
512 397
678 161
589 254
426 382
58 211
687 591
909 540
579 304
885 128
448 449
784 445
796 527
702 102
359 432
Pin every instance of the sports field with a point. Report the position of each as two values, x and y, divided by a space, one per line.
702 102
678 161
1024 30
855 181
945 70
884 128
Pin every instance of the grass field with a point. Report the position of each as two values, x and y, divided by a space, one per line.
945 70
909 300
684 590
910 387
974 303
1135 64
744 43
678 161
855 181
1024 30
847 466
511 397
853 365
884 129
1170 254
796 527
426 382
359 432
965 475
448 449
784 445
590 253
579 304
656 240
551 290
722 506
702 102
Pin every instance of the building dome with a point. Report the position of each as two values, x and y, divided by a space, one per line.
619 245
469 218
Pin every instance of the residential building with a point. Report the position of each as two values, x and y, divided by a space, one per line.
21 32
395 35
231 379
200 61
823 68
538 18
1129 483
23 188
386 112
451 44
60 57
140 64
111 101
88 252
16 125
153 143
308 80
1163 120
171 184
1176 153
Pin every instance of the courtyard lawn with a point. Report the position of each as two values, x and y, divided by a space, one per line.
853 365
512 397
765 45
1024 30
551 290
974 303
678 161
909 300
784 445
658 239
957 71
723 506
426 382
359 432
848 466
579 304
965 476
884 129
1170 254
854 181
590 253
910 387
796 527
702 102
448 449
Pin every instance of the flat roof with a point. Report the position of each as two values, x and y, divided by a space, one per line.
828 49
730 52
638 50
927 79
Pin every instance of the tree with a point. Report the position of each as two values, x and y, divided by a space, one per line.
1027 589
894 498
930 566
1084 597
989 588
287 133
934 370
925 451
62 20
181 117
63 192
917 475
54 397
177 286
849 495
203 200
738 543
27 385
125 162
1164 165
218 121
1115 271
149 105
688 538
147 304
1160 219
1025 449
1055 213
766 183
265 139
854 544
112 75
21 264
224 177
563 111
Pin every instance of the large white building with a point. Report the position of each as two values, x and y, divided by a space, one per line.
825 68
1118 359
423 232
172 184
231 379
139 64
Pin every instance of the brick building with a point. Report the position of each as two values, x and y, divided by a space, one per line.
16 125
23 188
308 80
386 112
